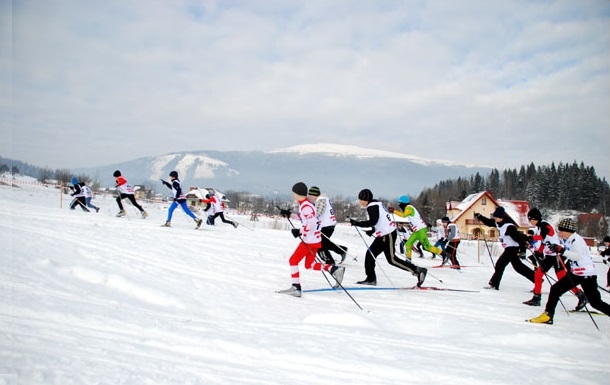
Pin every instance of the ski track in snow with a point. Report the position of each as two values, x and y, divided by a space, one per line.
93 299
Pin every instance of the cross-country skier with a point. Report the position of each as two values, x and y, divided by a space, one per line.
88 196
417 225
310 237
384 231
79 197
326 214
126 191
216 208
453 241
178 198
544 236
514 247
581 271
441 236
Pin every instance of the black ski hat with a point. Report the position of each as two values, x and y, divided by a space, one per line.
300 188
499 212
117 173
174 174
445 219
365 195
534 214
607 239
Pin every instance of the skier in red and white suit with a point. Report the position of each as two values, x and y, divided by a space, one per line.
311 241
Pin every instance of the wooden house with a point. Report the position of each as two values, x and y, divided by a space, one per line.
462 214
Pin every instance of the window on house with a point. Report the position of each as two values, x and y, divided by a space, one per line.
484 201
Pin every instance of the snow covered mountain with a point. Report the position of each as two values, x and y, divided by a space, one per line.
337 169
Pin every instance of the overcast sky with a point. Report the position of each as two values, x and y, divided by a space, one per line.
497 83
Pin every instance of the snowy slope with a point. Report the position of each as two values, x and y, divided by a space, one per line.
358 152
94 299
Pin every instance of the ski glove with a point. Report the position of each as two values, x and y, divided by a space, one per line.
353 222
295 232
605 262
286 213
521 254
555 248
370 232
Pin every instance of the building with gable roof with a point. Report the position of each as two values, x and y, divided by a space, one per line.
462 214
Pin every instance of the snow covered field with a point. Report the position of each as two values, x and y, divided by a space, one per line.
89 298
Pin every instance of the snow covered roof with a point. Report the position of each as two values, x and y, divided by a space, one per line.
200 193
517 210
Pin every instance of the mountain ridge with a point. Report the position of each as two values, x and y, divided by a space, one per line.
337 169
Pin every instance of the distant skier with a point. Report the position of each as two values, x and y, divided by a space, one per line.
79 197
326 214
453 241
384 231
514 247
544 236
126 191
417 225
178 198
88 196
441 236
216 208
581 272
310 237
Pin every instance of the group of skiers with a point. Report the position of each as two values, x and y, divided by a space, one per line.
82 197
564 250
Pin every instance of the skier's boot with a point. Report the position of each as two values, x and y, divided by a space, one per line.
535 301
582 301
167 224
337 272
544 318
122 213
198 221
144 214
369 283
294 290
421 276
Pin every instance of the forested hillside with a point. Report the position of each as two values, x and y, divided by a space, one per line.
555 187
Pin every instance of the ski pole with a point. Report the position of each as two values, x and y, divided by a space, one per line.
487 246
371 253
239 223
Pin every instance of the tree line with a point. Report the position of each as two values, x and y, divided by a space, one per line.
555 187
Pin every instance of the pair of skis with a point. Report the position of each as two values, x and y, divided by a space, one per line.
372 288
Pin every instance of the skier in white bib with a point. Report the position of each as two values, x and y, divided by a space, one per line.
326 214
384 231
